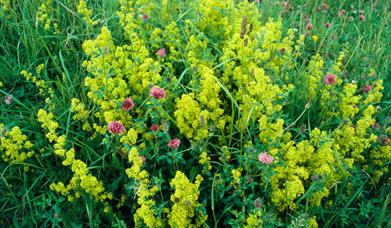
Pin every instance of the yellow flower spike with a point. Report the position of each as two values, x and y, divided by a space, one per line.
315 75
43 15
236 174
205 160
83 10
349 101
145 214
253 85
189 119
81 177
185 200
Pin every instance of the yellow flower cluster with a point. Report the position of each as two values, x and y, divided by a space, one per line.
375 94
273 42
209 96
14 146
315 38
271 132
130 138
44 18
255 92
83 10
143 70
322 164
337 68
47 122
299 46
287 184
254 219
145 214
41 84
314 158
380 158
213 18
348 101
225 154
82 179
312 222
194 118
315 74
79 110
351 140
195 48
205 160
116 72
104 91
185 200
323 156
236 174
80 113
169 37
191 121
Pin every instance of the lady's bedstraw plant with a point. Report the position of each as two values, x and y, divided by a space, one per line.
82 180
247 87
197 114
15 147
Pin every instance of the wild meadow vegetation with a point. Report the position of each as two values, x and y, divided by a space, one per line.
204 113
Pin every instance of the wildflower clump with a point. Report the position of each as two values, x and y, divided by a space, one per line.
81 113
315 73
379 158
254 219
349 102
40 83
190 119
192 113
15 147
81 180
44 16
83 10
236 175
47 122
131 137
204 160
145 214
185 200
